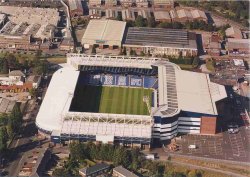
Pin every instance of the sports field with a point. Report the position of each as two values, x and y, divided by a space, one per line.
116 100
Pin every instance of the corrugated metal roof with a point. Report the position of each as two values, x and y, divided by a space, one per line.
159 37
162 15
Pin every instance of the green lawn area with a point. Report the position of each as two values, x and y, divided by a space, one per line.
116 100
57 60
210 65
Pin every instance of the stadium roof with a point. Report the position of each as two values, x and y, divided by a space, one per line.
61 87
160 38
196 93
104 30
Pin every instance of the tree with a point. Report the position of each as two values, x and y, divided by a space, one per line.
5 69
33 92
195 61
139 21
93 51
15 121
40 67
124 51
12 61
3 138
177 25
151 22
119 17
165 25
61 172
142 53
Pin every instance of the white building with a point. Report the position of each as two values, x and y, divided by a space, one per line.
104 33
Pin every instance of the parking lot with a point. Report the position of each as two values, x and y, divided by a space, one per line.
222 146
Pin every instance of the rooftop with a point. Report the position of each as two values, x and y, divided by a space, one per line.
123 171
160 37
238 43
162 15
198 14
16 73
33 78
75 4
184 13
233 32
94 169
6 106
104 30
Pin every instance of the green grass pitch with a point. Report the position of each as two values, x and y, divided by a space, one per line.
116 100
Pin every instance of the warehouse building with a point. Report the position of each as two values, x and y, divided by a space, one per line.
27 28
162 16
184 15
238 46
104 33
163 3
234 32
158 41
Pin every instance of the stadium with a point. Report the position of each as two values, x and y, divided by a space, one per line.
127 100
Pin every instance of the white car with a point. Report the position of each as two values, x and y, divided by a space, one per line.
233 128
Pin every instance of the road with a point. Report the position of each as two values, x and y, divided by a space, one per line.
209 169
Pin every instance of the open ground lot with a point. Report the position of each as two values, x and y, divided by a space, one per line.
116 100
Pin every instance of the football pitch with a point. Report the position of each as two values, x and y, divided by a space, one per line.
116 100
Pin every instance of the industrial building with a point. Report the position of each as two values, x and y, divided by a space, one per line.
183 101
163 3
133 3
27 28
113 12
162 16
104 33
238 46
6 105
158 41
211 44
234 32
76 8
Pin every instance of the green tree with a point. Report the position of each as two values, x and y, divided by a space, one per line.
15 121
5 69
165 25
12 61
124 52
33 92
139 21
93 51
151 22
119 17
61 172
142 53
3 138
40 67
177 25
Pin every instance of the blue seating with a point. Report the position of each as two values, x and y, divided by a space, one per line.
119 80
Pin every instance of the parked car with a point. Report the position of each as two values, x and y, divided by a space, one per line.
233 128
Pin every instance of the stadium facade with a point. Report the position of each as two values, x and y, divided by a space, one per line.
181 102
